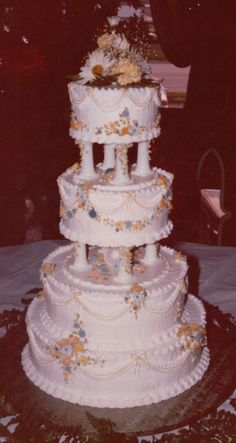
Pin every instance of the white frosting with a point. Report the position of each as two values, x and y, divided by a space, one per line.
118 115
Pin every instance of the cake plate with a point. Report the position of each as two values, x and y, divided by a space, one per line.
38 417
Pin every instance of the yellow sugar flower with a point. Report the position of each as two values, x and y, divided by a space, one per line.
128 72
62 211
84 360
74 167
94 273
111 127
41 294
162 180
48 268
101 258
119 225
124 130
136 288
163 203
137 226
105 41
78 124
87 185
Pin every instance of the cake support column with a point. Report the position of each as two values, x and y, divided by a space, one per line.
125 271
121 167
109 159
151 254
143 161
87 170
80 263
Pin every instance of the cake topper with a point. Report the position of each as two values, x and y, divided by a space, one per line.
115 62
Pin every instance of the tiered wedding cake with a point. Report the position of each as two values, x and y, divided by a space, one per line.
113 326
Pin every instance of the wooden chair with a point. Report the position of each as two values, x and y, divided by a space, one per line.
213 212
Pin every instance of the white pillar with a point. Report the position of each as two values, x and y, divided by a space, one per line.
80 262
125 271
109 159
143 159
121 167
150 254
87 170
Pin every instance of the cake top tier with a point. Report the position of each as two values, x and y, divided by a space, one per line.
121 115
115 62
114 98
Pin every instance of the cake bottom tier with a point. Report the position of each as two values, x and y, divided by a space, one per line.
114 378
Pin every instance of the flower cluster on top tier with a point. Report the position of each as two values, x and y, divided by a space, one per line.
115 62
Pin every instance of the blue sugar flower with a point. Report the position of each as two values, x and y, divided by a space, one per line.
124 113
69 214
128 224
93 259
81 197
82 333
66 350
76 325
134 130
109 170
92 213
198 336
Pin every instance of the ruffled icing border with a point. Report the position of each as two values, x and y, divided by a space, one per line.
91 137
137 239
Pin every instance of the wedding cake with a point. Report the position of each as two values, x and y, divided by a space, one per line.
113 325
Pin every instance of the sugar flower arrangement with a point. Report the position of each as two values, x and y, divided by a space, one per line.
115 62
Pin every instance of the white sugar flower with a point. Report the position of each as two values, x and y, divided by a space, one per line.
120 42
96 65
114 20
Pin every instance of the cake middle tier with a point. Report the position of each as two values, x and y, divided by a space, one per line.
98 212
129 313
